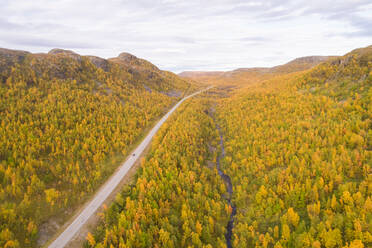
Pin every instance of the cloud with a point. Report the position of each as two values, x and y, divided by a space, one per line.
360 27
183 35
186 40
6 25
363 26
35 41
256 38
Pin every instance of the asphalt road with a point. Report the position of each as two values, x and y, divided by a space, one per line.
112 183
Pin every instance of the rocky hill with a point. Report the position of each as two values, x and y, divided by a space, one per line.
65 64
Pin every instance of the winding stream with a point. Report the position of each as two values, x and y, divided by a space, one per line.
227 181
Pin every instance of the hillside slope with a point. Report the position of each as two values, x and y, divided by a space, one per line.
66 121
299 152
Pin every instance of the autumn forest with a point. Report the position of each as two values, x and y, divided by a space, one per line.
274 157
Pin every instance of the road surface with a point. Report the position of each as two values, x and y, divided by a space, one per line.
112 183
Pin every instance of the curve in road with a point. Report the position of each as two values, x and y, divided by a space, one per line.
72 229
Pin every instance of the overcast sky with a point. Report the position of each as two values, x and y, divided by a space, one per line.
189 35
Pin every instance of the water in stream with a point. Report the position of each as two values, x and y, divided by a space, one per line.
227 181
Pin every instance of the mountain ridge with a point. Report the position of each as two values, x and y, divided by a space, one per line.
246 76
306 62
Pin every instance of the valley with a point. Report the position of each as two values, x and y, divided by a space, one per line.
254 157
